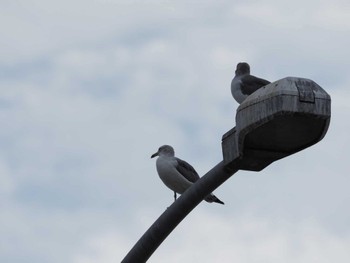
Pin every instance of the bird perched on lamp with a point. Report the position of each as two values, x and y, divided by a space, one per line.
244 84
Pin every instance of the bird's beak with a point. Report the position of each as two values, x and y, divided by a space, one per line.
155 154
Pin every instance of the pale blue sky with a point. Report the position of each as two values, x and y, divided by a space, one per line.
90 89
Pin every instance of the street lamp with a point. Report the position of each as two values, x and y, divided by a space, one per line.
277 120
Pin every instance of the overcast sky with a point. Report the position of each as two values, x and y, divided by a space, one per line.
90 89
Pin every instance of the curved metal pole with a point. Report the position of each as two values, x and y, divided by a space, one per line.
167 222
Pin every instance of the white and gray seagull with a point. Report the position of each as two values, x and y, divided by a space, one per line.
177 174
244 84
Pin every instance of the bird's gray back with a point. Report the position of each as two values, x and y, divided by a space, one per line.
250 84
186 170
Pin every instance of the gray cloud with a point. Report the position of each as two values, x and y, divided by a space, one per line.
89 90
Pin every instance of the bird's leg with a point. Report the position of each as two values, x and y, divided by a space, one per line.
175 196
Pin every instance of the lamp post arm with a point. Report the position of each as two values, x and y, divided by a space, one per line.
174 214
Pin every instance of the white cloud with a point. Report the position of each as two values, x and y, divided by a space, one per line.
289 15
332 15
7 184
207 237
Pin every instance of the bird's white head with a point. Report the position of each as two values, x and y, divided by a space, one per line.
242 68
165 150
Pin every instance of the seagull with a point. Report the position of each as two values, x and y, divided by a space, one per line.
177 174
244 84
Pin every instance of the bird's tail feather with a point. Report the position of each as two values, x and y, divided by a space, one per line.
212 198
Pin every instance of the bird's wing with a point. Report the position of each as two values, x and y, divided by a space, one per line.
251 83
186 170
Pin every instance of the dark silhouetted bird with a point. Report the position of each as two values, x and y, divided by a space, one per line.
244 84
